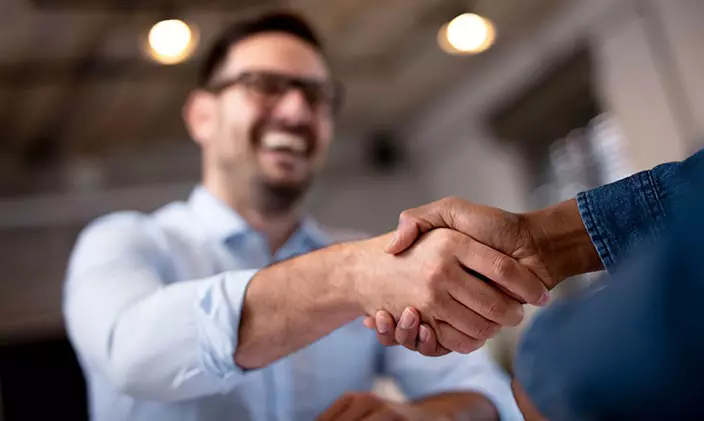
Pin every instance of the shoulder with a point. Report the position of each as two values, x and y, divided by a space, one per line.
118 231
123 222
132 227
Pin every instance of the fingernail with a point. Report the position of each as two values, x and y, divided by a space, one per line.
382 326
407 319
544 299
424 334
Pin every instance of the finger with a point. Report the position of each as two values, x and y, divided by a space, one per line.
384 414
406 234
385 328
406 332
454 340
487 301
502 269
450 212
337 408
428 342
468 321
359 410
350 407
415 222
368 322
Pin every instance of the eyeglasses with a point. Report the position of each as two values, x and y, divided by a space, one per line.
271 87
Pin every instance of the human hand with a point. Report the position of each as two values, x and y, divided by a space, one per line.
367 406
552 243
409 333
432 276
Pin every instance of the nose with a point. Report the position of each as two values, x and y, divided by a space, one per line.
293 108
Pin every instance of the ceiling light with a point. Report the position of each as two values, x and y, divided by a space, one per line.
467 34
171 41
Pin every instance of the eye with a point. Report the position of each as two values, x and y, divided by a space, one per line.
268 85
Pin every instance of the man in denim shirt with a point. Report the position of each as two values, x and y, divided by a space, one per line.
629 346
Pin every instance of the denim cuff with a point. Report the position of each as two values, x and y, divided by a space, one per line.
622 215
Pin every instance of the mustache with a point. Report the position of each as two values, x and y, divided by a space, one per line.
304 131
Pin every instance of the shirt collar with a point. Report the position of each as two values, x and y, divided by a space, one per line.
224 223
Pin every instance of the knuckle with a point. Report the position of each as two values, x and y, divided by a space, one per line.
438 273
407 214
497 310
504 267
450 200
485 330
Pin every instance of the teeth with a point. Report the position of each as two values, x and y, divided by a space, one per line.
284 141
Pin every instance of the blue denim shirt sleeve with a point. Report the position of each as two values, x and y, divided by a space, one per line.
625 347
623 215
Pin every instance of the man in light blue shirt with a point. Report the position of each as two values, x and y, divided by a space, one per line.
173 317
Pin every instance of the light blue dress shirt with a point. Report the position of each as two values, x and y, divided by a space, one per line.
152 305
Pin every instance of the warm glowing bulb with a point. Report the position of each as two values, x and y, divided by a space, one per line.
467 34
170 41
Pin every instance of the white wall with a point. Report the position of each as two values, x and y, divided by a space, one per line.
650 62
684 32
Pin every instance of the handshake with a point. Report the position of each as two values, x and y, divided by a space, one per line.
455 272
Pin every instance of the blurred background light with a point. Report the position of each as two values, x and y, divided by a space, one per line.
467 33
171 41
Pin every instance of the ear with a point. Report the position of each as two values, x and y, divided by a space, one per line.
199 114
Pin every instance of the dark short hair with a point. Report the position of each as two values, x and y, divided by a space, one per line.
286 22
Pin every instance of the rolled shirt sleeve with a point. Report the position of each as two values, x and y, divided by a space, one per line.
624 215
420 376
218 311
150 338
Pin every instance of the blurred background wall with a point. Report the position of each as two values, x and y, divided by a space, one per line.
574 93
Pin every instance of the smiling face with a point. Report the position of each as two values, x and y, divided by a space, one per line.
268 118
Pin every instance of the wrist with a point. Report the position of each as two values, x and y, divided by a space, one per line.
359 259
562 241
347 266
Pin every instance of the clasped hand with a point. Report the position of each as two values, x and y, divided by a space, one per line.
501 266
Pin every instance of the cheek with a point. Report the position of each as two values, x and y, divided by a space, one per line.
237 120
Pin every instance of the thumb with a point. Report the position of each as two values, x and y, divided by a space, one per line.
406 234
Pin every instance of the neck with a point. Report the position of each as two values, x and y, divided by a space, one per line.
276 224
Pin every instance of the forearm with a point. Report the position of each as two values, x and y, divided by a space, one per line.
563 241
458 406
293 303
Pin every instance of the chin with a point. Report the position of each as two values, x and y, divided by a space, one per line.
286 182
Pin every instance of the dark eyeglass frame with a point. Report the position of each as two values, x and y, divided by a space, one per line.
316 93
